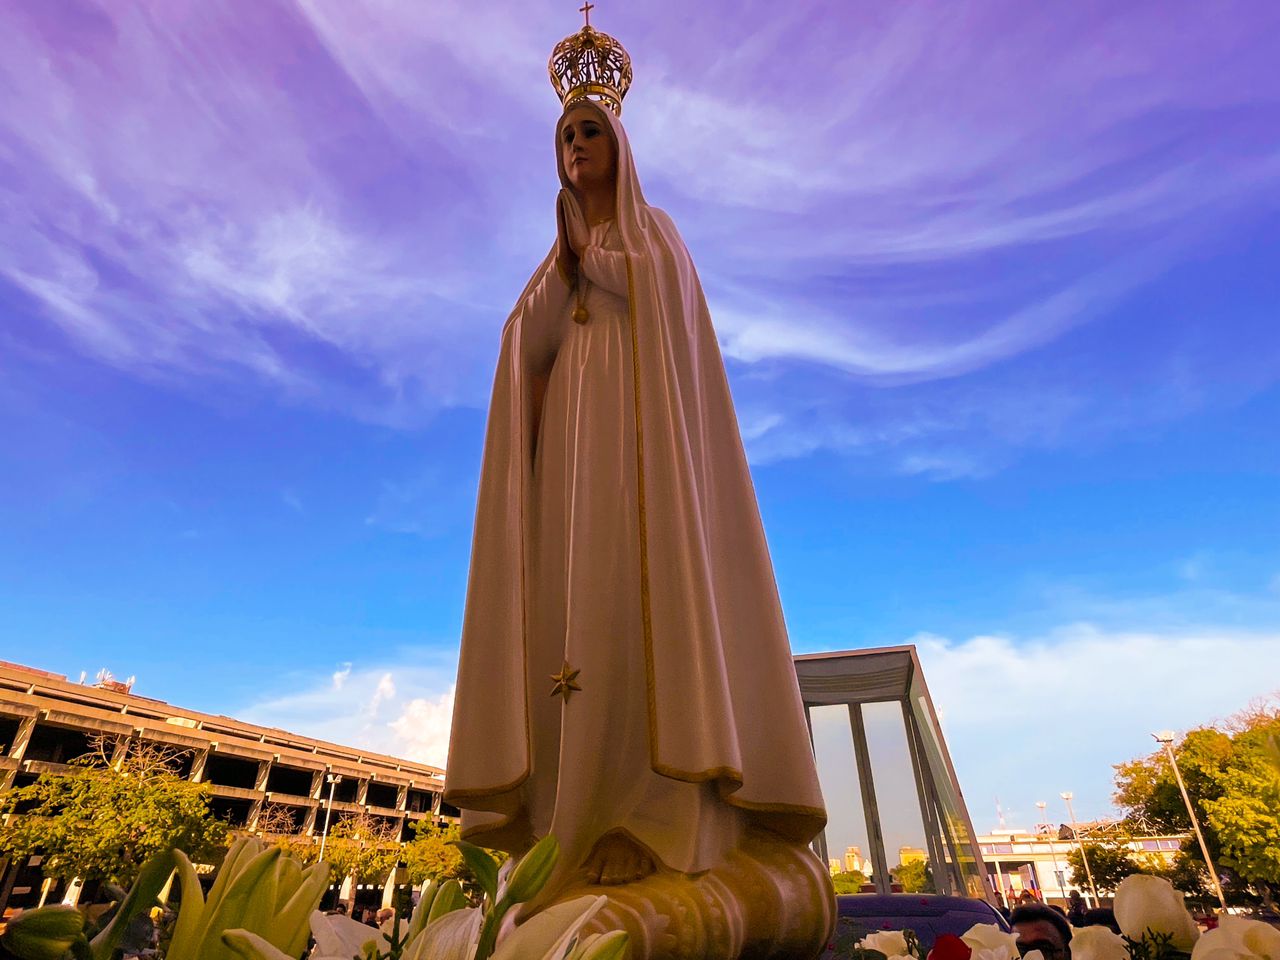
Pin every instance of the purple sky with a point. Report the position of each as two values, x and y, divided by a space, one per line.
996 284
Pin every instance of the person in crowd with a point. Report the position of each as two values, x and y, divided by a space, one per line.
1075 909
1041 928
339 908
1001 906
1100 917
140 936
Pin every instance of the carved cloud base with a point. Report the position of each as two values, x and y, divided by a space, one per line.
769 900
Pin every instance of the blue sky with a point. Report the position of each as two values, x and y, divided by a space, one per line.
997 289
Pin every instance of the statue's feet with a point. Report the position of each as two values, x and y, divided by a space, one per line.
617 859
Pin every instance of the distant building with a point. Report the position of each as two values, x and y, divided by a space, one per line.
855 862
47 721
1017 860
911 855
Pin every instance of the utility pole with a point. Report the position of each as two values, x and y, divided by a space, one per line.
1058 877
1084 858
1165 739
333 779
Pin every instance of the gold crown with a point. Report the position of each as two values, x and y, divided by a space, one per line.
590 65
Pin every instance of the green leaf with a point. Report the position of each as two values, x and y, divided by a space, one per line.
534 870
142 895
250 946
45 933
234 910
191 914
483 866
423 910
293 922
449 898
607 946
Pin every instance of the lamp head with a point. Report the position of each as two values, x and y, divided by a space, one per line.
1163 737
1068 795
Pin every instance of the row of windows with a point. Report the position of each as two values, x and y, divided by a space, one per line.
995 849
54 744
7 734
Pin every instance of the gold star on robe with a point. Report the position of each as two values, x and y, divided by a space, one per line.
566 682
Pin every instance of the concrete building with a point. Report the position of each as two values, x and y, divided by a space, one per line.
855 862
47 721
1017 860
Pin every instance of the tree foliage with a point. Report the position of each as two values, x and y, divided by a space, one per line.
1109 862
430 855
915 876
114 809
850 881
1232 775
363 846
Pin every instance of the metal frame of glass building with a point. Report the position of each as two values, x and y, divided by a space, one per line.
857 679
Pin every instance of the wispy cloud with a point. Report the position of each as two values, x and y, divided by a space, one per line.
899 200
1032 711
401 709
1027 718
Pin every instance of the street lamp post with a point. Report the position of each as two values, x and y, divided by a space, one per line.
1084 858
1053 851
1165 739
333 779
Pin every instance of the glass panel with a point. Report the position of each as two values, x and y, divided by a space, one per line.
846 833
949 812
898 798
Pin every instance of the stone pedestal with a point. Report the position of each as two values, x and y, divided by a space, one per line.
769 900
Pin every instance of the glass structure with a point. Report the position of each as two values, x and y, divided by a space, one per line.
898 821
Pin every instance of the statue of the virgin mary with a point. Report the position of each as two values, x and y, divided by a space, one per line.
625 680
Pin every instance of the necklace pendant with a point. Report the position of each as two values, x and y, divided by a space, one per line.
580 314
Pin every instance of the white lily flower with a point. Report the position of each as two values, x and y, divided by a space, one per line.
341 938
1097 943
989 942
550 934
451 937
1237 938
892 943
1151 904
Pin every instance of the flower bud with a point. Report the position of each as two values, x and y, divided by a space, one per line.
45 933
533 871
608 946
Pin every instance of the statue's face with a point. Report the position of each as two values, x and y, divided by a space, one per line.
587 150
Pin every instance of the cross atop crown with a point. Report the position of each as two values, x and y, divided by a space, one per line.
590 65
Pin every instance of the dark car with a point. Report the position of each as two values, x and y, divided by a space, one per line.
927 914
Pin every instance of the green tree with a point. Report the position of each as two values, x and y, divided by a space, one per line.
362 846
1186 874
1109 862
915 876
112 811
850 881
430 855
1233 780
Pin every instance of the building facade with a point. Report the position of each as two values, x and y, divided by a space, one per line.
1017 860
47 721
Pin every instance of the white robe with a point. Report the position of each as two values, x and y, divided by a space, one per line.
626 542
